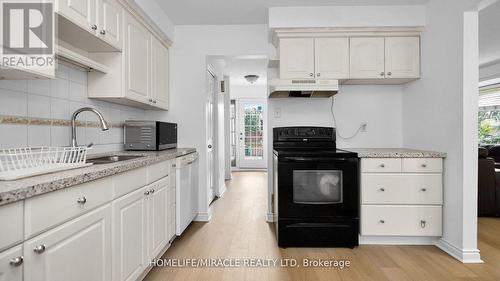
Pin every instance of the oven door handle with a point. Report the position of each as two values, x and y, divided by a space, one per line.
315 159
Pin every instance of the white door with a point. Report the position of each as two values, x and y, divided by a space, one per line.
367 58
81 12
252 134
11 264
210 135
158 213
296 58
159 73
79 250
402 57
129 235
331 58
110 22
137 60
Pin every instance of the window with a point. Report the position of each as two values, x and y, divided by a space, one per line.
489 114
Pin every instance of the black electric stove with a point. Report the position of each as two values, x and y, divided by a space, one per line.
316 189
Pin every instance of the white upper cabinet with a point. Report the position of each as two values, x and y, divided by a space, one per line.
402 57
296 58
80 12
110 22
137 60
160 74
331 58
367 58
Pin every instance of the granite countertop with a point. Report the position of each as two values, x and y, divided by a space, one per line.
396 153
16 190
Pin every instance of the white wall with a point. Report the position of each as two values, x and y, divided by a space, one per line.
188 64
440 113
346 16
489 72
156 13
239 91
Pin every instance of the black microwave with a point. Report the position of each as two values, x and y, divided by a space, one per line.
150 135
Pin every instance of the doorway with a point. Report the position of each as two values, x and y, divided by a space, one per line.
211 82
252 148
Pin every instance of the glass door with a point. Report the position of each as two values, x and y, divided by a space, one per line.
252 142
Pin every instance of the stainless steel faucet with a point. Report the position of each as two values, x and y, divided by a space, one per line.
103 123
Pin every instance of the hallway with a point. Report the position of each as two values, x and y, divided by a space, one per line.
238 230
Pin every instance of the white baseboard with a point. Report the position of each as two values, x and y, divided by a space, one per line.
463 255
204 216
397 240
221 191
270 217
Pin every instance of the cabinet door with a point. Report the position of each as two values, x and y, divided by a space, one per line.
110 22
80 12
157 217
402 57
296 58
367 58
331 58
129 236
11 264
159 74
79 250
137 60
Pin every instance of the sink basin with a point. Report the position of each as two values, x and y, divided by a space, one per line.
112 159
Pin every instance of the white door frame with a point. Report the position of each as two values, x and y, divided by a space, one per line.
261 164
211 147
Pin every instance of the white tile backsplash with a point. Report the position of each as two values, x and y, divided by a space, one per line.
58 99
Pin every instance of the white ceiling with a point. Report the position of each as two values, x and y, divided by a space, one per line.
489 34
237 67
192 12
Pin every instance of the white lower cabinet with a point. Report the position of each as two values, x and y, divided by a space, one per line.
129 235
11 264
79 250
158 213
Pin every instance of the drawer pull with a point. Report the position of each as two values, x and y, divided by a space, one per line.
424 165
382 221
382 189
423 189
147 192
151 191
422 223
81 200
17 261
382 165
39 249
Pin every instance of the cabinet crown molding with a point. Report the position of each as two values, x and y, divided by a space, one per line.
319 32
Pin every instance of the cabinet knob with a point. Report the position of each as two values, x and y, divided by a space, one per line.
103 32
423 189
382 221
424 165
382 73
422 223
81 200
94 27
154 101
39 249
311 74
17 261
151 191
382 165
318 74
382 189
389 73
147 192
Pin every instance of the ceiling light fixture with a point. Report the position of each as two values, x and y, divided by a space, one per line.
252 78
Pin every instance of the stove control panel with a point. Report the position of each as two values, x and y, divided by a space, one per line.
310 133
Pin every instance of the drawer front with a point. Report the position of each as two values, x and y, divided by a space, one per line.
401 220
381 165
48 210
158 171
11 220
418 189
422 165
129 181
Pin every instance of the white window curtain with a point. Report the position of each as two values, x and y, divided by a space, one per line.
489 97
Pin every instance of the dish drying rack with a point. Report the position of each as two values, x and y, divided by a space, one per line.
16 163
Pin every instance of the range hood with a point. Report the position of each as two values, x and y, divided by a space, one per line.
302 88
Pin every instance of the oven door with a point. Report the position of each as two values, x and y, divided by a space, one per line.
313 187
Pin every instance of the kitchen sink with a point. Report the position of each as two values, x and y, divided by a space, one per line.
112 159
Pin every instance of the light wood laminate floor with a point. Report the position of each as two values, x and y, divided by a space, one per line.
238 230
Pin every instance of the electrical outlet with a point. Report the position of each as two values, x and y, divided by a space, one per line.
363 126
277 113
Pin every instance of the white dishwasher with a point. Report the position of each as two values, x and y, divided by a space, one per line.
186 195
